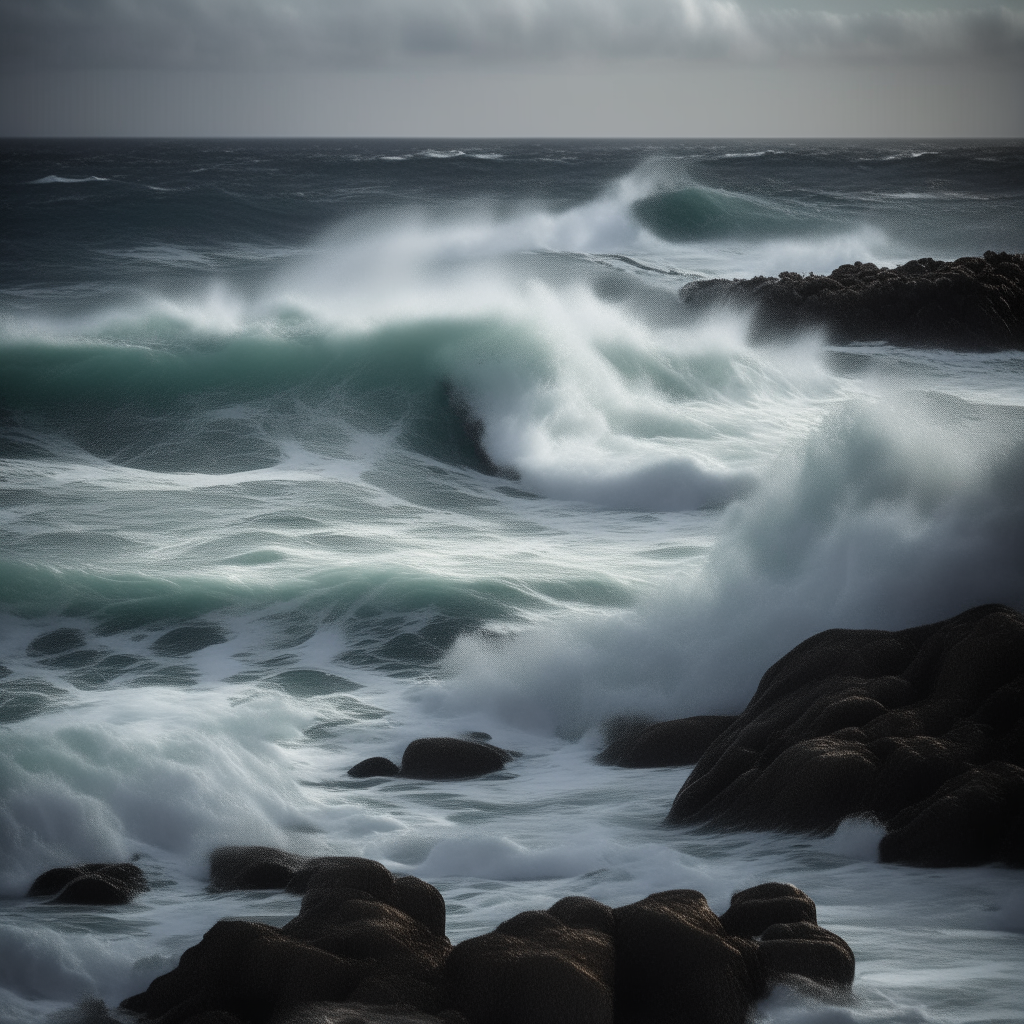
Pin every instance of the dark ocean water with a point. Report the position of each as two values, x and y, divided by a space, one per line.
311 448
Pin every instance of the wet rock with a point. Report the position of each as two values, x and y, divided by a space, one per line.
252 867
974 818
351 941
754 910
345 873
915 728
369 948
634 743
362 1013
400 959
247 969
970 303
421 901
439 757
449 758
534 967
804 949
673 953
373 766
91 884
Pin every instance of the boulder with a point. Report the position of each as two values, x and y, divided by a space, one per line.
674 958
802 948
369 948
635 743
91 884
976 302
754 910
373 766
247 969
345 873
355 908
449 758
974 818
439 757
922 729
252 867
421 901
533 967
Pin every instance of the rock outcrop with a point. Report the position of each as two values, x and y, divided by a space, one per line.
637 743
976 302
369 948
439 757
91 884
922 729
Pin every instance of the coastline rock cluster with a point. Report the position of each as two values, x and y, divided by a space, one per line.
438 757
91 884
976 302
368 946
923 729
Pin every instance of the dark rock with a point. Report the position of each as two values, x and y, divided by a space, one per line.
373 766
921 729
448 758
673 957
535 968
252 867
400 959
361 1013
582 912
421 901
250 970
971 303
367 948
56 642
343 873
754 910
974 818
638 744
91 884
804 949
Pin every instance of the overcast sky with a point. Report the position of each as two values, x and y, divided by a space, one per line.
463 68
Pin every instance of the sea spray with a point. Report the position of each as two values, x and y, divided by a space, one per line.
410 446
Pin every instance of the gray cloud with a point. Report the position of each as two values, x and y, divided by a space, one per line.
263 35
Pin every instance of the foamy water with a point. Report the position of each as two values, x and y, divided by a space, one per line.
454 464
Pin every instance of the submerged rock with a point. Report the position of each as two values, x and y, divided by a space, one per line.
976 302
448 758
252 867
91 884
922 729
369 948
439 757
636 743
373 767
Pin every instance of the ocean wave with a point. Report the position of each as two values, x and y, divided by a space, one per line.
887 515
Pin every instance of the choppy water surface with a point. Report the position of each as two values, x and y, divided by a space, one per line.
310 449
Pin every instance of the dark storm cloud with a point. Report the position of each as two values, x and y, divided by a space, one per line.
339 34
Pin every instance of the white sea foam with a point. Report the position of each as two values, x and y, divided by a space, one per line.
687 509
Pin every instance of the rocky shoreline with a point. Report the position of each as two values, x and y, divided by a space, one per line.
975 303
368 947
920 729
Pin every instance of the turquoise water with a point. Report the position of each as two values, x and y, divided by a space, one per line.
312 449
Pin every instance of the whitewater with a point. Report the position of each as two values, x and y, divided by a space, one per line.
310 449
